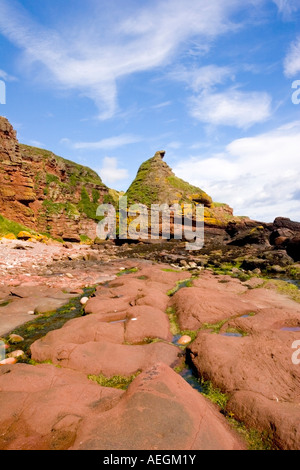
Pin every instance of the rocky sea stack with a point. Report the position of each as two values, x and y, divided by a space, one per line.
156 183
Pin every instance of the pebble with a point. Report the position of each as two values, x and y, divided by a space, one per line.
8 361
15 338
185 339
17 353
84 300
192 264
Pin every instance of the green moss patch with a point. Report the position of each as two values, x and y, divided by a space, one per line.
116 381
285 288
127 271
180 285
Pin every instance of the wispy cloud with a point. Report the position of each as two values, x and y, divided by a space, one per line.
36 143
106 144
162 105
199 78
91 59
110 173
231 108
5 76
287 7
292 60
257 176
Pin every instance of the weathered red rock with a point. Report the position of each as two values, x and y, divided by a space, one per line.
149 323
210 302
107 358
65 410
42 407
257 370
159 411
30 178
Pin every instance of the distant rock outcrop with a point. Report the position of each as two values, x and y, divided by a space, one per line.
45 192
155 183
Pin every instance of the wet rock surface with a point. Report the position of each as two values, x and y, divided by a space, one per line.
147 415
243 329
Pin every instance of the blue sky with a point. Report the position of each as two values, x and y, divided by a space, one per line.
107 83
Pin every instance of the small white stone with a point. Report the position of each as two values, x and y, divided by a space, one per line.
193 264
18 353
84 300
133 319
31 312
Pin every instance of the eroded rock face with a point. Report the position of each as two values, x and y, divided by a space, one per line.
45 192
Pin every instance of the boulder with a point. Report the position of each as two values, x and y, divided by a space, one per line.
293 248
255 236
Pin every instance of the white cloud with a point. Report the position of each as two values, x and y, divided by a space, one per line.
109 143
287 7
162 105
36 143
257 176
110 173
231 108
5 76
292 60
106 45
205 77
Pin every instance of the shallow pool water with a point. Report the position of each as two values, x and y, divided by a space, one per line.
175 339
118 321
41 325
295 282
180 285
290 328
237 335
188 375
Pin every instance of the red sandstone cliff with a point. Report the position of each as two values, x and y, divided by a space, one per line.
45 192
